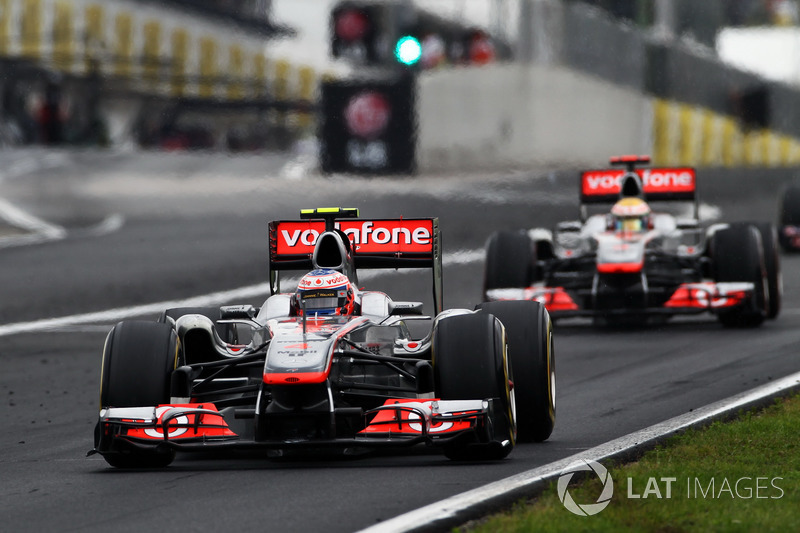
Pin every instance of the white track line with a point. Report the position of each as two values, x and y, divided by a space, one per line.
113 315
39 231
216 298
455 511
19 218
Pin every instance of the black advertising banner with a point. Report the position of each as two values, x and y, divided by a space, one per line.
368 126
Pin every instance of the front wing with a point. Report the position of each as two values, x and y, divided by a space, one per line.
687 298
201 427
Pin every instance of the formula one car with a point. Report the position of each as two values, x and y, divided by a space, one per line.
329 366
789 219
633 265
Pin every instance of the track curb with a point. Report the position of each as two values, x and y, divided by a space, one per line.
459 509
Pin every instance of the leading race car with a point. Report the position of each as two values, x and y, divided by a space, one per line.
633 264
329 366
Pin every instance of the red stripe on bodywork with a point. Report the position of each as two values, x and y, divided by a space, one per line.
620 268
704 297
296 378
186 426
406 421
559 300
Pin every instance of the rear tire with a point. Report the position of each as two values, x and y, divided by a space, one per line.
138 360
529 333
737 255
510 259
469 363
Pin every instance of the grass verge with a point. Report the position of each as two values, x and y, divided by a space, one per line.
738 476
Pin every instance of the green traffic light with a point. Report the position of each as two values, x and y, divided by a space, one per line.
408 50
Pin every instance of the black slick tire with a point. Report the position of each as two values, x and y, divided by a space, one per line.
738 256
138 360
529 334
469 363
509 260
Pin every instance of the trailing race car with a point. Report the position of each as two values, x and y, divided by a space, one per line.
329 366
789 219
633 264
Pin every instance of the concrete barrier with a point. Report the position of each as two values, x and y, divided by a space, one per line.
509 115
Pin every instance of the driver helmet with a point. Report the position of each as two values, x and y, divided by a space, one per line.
631 215
324 292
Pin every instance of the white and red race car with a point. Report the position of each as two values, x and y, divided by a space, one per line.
634 264
281 377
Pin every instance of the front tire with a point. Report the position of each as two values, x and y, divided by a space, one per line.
470 363
138 360
529 333
738 255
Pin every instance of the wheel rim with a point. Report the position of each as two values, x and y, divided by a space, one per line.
510 394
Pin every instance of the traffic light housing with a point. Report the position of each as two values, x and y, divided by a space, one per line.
397 35
375 33
355 32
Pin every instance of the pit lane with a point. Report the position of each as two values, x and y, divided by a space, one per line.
199 226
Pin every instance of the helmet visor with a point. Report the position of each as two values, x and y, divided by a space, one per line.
630 224
322 300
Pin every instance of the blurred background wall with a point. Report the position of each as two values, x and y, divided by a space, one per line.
551 81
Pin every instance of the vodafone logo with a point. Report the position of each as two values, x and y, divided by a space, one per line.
367 114
159 434
654 180
329 280
605 182
668 179
436 427
383 236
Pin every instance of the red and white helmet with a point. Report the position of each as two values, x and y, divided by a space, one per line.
324 292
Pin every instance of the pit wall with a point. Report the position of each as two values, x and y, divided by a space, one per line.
508 116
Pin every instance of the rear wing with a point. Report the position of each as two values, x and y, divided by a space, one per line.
374 243
658 184
603 186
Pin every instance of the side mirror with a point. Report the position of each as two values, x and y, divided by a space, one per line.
229 312
569 226
406 308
